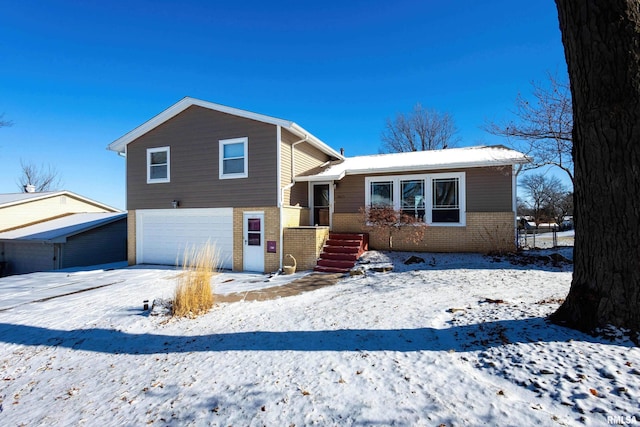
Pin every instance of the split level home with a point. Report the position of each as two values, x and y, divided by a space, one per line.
42 231
260 187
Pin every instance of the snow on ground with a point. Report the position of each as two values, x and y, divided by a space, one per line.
458 339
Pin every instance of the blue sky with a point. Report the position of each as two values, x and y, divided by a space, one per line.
76 75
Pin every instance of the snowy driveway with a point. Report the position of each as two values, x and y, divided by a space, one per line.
35 287
38 287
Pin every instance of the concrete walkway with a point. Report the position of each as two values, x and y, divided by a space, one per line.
304 284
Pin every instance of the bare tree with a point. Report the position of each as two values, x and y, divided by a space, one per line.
563 207
545 196
421 129
523 207
542 126
600 39
42 178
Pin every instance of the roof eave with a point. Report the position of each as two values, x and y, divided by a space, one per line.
61 193
119 144
94 224
62 238
459 165
318 178
415 168
320 145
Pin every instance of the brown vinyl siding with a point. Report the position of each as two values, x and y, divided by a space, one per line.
193 137
299 195
285 162
349 194
487 189
306 157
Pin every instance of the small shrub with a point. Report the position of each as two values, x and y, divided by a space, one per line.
193 295
387 222
497 239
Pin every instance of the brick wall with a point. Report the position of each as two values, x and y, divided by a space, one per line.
131 237
294 216
305 244
484 232
271 232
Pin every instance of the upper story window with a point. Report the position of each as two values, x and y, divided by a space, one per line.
158 164
437 199
233 158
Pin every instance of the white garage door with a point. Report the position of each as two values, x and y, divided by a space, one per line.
162 235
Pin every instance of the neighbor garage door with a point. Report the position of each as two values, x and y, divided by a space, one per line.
162 235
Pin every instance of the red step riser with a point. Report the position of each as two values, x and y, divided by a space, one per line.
334 263
334 236
341 250
330 270
341 257
334 242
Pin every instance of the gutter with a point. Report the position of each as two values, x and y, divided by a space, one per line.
285 188
414 168
315 141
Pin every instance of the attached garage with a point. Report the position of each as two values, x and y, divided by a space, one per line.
163 235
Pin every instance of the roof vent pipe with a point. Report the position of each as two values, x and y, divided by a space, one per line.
29 188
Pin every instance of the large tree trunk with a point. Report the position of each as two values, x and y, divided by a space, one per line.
602 46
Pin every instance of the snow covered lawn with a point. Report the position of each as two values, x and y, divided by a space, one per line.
456 340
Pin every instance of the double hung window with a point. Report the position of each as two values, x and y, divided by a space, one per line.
233 158
158 161
412 198
436 199
446 200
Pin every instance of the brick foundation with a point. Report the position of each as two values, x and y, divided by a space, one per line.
294 216
484 232
271 232
131 237
305 244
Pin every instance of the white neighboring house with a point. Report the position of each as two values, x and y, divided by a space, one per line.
55 230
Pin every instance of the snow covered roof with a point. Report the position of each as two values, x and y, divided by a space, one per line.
119 145
59 229
452 158
14 198
10 199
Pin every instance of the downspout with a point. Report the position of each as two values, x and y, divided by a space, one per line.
514 194
285 188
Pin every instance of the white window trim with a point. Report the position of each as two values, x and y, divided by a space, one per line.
157 150
222 143
428 182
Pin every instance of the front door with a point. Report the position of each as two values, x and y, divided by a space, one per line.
321 202
253 248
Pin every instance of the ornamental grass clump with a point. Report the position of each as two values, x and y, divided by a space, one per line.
194 295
